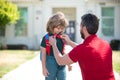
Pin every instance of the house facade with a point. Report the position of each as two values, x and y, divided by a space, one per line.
34 14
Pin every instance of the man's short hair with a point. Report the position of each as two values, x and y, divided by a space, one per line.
91 22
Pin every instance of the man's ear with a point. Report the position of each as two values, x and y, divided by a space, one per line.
84 28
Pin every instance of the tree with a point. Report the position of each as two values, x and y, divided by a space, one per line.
9 13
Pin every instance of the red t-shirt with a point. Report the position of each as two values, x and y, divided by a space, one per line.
95 59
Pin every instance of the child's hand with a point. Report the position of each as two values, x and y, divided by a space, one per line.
69 67
45 72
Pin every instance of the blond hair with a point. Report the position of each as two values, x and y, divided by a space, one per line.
58 19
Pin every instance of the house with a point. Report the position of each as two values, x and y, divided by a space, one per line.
35 13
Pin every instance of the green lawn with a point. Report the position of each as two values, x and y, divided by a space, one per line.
116 61
10 59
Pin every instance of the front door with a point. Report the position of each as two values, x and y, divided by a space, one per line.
70 14
70 30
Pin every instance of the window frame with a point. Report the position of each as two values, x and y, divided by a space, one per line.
108 17
25 28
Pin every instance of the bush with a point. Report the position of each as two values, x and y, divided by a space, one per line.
115 44
8 13
15 47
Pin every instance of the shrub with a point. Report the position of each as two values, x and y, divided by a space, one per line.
115 44
15 47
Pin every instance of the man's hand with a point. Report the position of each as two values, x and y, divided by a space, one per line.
66 38
69 41
52 40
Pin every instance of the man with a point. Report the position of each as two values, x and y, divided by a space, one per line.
94 55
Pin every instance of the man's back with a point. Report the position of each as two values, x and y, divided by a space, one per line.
98 59
95 59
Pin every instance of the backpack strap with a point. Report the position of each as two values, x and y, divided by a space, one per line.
47 44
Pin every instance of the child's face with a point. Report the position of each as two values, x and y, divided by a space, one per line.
58 30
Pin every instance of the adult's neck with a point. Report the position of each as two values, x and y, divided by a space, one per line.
87 35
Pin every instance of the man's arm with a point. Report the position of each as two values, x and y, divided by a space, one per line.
61 59
72 44
69 42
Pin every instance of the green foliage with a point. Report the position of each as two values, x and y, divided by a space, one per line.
9 13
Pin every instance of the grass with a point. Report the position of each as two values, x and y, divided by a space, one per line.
116 61
10 59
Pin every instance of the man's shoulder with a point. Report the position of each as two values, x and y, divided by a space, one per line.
103 41
80 46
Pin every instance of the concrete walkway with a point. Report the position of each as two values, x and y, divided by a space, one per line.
32 70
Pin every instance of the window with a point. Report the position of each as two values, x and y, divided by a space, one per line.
108 21
22 23
2 32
